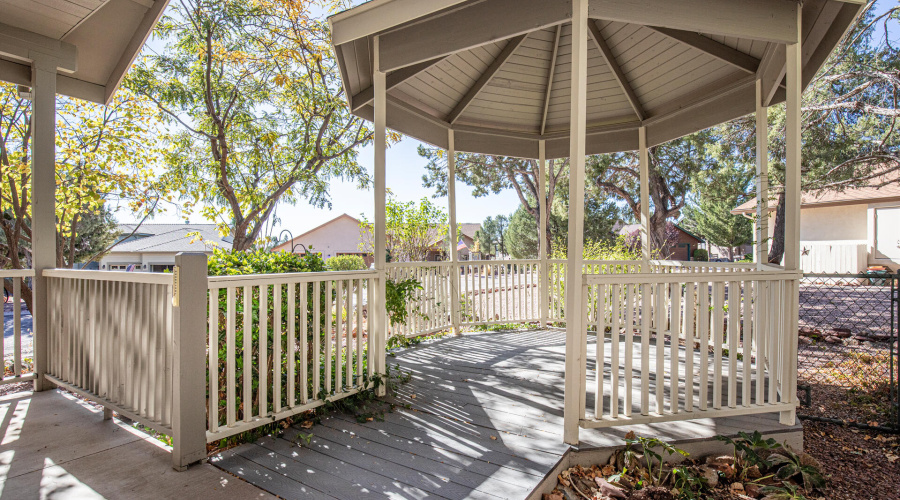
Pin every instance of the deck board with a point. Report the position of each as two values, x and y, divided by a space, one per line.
480 418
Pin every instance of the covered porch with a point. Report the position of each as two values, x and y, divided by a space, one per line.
204 358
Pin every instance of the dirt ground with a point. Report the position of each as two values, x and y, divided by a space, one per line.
862 464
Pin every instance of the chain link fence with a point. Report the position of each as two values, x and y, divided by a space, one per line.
848 353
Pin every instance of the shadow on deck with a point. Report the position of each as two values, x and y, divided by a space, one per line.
484 420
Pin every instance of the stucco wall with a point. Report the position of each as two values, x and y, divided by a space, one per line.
847 222
339 237
144 259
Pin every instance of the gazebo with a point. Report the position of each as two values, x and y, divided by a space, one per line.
567 78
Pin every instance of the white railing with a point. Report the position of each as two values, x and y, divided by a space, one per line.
16 369
687 345
499 292
429 308
282 344
678 266
110 338
556 281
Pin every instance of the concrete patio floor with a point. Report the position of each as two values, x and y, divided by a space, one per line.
55 446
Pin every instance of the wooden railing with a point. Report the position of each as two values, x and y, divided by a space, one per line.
17 370
429 308
499 292
110 338
282 344
702 345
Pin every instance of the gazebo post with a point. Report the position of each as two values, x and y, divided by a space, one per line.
645 199
43 205
377 315
576 335
544 290
454 237
792 223
762 178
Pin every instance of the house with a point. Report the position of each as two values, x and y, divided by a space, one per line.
152 247
343 236
845 232
339 236
681 249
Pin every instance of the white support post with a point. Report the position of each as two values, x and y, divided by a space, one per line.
544 290
576 334
377 312
189 307
454 237
43 206
792 224
762 178
645 199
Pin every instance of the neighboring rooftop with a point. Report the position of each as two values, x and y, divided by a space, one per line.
849 196
168 238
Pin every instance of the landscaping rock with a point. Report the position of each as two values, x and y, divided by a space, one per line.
833 340
608 489
879 337
861 338
737 487
711 475
804 341
842 333
753 490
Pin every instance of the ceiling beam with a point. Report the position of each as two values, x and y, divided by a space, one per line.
616 70
550 75
485 78
27 46
720 51
379 15
393 79
769 20
473 25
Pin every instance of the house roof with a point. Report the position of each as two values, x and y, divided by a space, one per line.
168 238
497 72
849 196
94 41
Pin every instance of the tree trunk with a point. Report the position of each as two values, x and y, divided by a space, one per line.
776 251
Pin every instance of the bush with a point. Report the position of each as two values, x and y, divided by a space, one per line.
232 263
701 255
347 263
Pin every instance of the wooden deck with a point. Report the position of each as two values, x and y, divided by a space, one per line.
484 421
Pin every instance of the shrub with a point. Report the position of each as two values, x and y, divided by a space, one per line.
701 255
232 263
346 263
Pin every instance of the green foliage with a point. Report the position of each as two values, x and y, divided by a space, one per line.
751 449
346 263
791 465
691 485
650 455
522 239
252 95
701 255
787 491
411 229
492 235
715 193
236 263
398 294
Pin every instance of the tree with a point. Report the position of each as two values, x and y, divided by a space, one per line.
253 94
708 212
849 117
522 239
105 155
490 174
491 236
411 229
672 166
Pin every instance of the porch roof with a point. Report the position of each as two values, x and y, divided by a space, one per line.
93 41
497 71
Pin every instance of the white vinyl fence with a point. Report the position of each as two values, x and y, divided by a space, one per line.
15 369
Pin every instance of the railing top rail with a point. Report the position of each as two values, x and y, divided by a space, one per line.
116 276
423 263
702 263
652 278
601 262
16 273
283 278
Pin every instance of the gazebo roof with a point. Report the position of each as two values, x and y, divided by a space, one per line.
95 41
497 71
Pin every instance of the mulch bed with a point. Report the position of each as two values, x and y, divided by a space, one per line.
14 388
862 464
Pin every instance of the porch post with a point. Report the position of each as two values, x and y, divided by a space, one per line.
43 205
792 224
544 290
454 237
762 178
645 199
377 313
576 335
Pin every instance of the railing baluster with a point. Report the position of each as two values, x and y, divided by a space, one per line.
277 339
317 336
660 386
247 351
338 328
674 336
230 366
761 332
614 363
718 328
645 349
600 298
689 329
746 342
213 390
304 343
630 300
291 348
734 318
329 325
359 332
263 365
